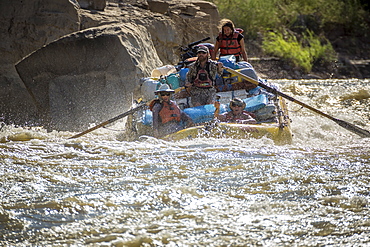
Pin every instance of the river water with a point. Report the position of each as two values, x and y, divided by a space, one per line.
98 190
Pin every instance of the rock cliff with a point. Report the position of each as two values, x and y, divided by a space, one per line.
68 63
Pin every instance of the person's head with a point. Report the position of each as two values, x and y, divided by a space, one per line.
164 92
202 53
227 27
237 105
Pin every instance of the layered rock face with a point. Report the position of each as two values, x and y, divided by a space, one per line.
80 62
26 26
87 76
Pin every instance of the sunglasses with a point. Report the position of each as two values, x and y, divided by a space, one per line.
165 94
201 52
237 104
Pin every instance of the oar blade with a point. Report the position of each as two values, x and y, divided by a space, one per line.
353 128
131 111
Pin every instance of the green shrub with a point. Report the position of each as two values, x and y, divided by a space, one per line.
319 49
261 15
301 54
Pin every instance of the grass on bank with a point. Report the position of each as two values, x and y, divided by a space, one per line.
301 54
294 29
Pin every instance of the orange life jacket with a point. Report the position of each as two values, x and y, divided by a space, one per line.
229 45
203 79
170 112
152 103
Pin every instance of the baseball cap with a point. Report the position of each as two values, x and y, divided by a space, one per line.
203 48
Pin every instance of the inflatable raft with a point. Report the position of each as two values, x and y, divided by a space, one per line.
270 110
276 128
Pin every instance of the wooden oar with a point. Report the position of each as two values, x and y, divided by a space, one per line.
129 112
344 124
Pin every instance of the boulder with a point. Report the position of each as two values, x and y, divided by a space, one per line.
88 76
196 19
28 25
92 4
24 27
158 6
210 9
50 63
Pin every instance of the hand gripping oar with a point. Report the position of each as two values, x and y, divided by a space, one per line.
344 124
133 110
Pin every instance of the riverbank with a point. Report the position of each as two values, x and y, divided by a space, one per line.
328 40
352 62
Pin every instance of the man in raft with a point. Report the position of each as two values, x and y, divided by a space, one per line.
237 113
200 79
167 116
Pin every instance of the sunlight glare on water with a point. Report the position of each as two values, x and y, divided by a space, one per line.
98 190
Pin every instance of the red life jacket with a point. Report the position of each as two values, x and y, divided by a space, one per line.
229 45
169 112
203 79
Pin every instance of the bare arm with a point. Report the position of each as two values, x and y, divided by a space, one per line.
221 117
220 68
243 51
217 111
190 75
156 119
247 121
185 117
217 46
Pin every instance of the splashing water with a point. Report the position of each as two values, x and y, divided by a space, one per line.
99 191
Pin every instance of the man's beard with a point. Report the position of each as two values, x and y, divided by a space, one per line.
202 59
